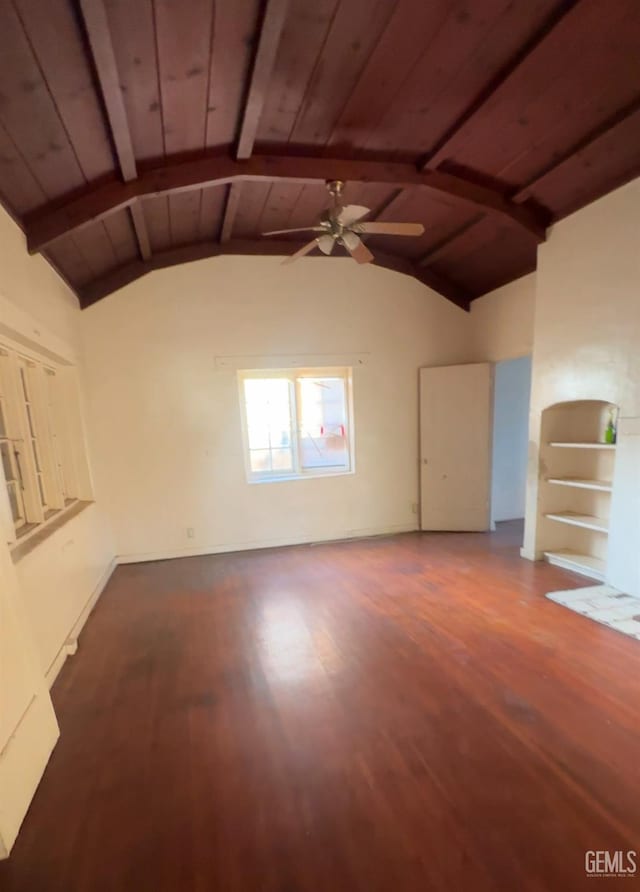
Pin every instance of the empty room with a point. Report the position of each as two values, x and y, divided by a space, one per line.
320 441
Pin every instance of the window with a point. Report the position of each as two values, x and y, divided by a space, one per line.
296 423
37 465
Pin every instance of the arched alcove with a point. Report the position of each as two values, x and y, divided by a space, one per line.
575 481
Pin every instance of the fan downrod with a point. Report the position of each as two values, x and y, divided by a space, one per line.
334 188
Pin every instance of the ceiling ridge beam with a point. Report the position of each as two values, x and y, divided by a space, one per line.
438 153
129 272
96 202
103 55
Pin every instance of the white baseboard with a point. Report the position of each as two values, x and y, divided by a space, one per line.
70 646
340 536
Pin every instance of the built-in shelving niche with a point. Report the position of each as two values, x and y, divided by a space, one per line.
576 474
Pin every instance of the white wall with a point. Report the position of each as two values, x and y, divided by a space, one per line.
512 386
502 332
502 321
44 596
161 358
586 343
34 289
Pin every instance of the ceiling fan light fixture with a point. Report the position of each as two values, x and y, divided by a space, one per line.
350 239
325 243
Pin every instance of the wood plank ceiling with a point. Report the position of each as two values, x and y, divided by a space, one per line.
136 135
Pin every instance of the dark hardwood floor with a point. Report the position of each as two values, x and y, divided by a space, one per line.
407 713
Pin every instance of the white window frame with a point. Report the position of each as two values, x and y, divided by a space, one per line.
293 376
36 431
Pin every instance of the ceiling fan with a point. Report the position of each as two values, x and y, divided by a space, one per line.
342 224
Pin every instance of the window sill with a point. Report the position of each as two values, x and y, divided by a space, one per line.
42 531
288 478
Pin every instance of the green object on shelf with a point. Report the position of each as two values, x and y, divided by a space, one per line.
610 432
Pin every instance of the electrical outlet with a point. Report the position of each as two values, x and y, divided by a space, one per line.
190 533
414 507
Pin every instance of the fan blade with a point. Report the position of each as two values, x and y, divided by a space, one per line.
350 213
326 243
359 252
302 229
304 250
392 228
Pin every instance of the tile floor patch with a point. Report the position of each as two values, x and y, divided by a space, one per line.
605 605
628 626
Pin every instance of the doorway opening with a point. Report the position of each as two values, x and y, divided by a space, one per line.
511 400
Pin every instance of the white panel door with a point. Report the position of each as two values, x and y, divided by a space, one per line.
456 407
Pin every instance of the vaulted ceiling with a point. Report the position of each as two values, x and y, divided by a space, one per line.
136 134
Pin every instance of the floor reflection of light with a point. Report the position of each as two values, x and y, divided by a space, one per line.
289 651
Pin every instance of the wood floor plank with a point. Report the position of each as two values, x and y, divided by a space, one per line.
402 713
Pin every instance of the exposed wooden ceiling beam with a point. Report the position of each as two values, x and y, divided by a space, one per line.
128 273
622 116
265 57
230 210
96 202
385 205
434 252
97 27
140 226
67 281
455 293
439 152
263 62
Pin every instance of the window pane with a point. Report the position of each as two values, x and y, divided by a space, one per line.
260 460
258 436
51 381
323 423
268 408
281 460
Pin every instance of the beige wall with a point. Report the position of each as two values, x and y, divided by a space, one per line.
587 345
34 288
44 596
502 321
161 358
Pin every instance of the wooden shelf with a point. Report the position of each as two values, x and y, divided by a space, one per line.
586 564
576 524
580 483
585 521
583 445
